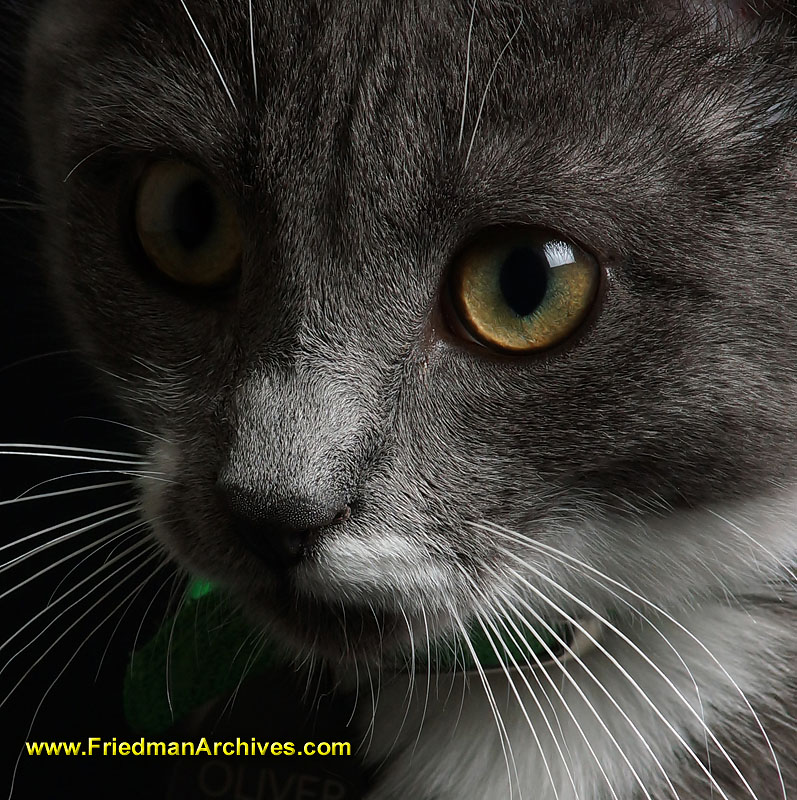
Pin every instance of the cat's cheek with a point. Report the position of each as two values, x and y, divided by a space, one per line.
161 510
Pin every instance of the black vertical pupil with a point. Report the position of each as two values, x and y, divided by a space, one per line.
193 214
524 280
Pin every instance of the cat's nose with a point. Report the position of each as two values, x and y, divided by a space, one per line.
281 530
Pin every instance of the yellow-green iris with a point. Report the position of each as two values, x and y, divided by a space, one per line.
187 226
523 290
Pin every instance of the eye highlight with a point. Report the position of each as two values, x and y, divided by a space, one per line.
523 290
187 226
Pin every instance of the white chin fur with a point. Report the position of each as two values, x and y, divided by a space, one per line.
387 570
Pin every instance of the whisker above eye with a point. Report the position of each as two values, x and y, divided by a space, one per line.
252 47
209 52
84 160
467 74
487 88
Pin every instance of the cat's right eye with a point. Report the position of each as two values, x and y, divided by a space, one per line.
187 227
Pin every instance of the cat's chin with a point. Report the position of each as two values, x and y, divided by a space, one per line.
339 634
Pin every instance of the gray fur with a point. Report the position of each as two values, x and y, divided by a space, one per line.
659 137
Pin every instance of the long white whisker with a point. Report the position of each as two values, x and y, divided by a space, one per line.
169 656
129 504
144 617
210 54
142 586
375 696
63 670
83 161
483 623
755 542
518 643
38 357
428 679
503 736
101 543
609 625
252 44
467 74
369 733
64 449
533 695
93 487
137 546
28 497
356 695
72 457
487 88
669 644
513 536
566 675
142 431
407 695
260 640
82 473
69 628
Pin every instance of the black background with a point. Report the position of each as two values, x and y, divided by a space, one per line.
44 392
61 679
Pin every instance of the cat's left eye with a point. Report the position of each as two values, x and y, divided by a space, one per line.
187 226
522 290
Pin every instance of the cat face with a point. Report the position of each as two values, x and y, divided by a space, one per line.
343 448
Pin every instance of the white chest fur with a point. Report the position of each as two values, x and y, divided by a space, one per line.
619 724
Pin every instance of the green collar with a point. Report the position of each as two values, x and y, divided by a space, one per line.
207 648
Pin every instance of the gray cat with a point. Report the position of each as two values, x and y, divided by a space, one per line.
454 317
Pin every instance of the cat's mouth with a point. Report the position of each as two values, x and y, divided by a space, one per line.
365 589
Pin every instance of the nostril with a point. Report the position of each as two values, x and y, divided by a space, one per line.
281 529
342 515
